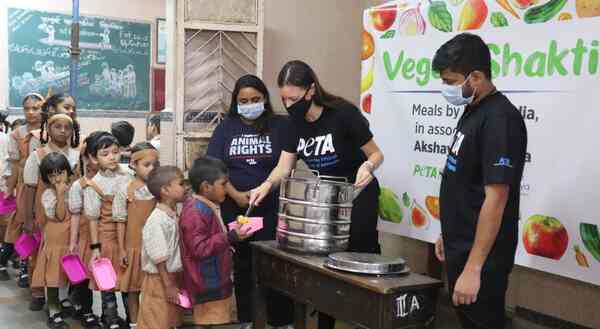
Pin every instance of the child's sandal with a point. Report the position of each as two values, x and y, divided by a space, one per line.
57 322
66 308
90 321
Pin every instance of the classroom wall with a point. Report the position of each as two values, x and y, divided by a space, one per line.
545 293
325 34
142 10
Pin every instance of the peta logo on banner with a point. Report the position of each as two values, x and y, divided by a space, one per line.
407 305
316 146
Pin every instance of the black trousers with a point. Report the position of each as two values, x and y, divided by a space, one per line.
280 309
363 232
467 323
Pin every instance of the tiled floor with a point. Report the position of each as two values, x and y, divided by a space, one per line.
14 312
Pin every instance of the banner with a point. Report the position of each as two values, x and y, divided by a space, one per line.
550 71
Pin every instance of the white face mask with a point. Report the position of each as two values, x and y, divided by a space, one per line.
454 94
251 111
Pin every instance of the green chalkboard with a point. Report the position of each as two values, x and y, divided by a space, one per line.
114 62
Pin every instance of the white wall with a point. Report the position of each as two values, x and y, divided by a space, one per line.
325 34
138 10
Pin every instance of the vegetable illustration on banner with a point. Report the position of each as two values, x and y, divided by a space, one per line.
546 60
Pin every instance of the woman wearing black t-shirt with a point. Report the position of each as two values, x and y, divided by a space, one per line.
331 136
249 142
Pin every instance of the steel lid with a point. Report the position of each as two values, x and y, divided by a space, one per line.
365 263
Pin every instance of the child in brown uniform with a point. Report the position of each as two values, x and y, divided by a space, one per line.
23 141
132 205
62 139
104 229
55 171
161 258
80 232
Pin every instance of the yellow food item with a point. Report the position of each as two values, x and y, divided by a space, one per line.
243 220
565 17
587 8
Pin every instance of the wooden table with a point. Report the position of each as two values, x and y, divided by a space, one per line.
375 302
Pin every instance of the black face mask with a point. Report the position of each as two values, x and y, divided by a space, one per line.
298 110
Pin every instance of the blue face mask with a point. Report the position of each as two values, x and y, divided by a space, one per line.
251 111
454 94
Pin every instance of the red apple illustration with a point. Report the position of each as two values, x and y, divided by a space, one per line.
524 4
366 103
545 236
384 17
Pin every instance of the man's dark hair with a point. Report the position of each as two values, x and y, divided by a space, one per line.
160 177
206 169
464 54
124 132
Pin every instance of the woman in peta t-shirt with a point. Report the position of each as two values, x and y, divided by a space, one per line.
249 141
331 136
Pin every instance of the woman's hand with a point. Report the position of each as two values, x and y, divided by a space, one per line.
259 193
242 199
363 176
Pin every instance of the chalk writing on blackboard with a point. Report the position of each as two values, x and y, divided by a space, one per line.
114 62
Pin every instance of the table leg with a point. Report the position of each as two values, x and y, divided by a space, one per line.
260 294
260 308
299 315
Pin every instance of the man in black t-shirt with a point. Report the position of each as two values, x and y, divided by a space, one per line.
480 189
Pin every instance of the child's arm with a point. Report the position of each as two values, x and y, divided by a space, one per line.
92 202
49 204
154 242
13 162
121 238
171 290
75 204
196 238
74 238
30 177
61 208
119 211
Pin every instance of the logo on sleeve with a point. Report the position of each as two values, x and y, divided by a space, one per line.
503 162
458 140
451 163
452 160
